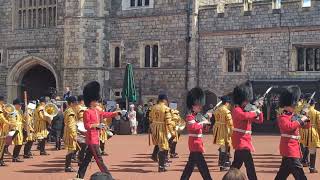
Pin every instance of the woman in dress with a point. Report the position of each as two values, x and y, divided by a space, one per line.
132 115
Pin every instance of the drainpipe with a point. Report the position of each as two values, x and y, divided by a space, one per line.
188 39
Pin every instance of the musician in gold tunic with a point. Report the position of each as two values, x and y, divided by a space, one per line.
160 119
310 137
41 126
177 123
222 132
70 131
4 129
29 128
18 139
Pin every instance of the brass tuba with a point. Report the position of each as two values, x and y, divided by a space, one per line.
51 110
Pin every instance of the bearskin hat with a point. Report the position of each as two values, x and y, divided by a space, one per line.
242 93
290 96
195 96
91 92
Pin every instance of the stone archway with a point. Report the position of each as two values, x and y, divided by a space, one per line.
21 69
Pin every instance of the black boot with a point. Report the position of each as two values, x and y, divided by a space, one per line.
16 151
6 150
224 161
162 159
154 155
1 160
173 153
43 148
312 167
68 163
27 150
220 158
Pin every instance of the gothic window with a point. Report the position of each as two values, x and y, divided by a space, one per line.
234 60
35 13
151 55
308 58
276 4
117 56
306 3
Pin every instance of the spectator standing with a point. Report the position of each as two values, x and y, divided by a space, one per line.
132 116
140 119
57 128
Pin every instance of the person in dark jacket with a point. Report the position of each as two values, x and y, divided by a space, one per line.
57 128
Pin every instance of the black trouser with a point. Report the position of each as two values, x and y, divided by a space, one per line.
305 153
27 148
1 156
58 143
155 152
42 145
290 166
196 159
16 151
82 152
68 160
244 156
173 146
92 150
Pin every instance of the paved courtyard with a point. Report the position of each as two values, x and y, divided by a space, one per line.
129 160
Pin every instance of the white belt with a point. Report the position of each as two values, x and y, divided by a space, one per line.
242 131
191 122
290 136
196 135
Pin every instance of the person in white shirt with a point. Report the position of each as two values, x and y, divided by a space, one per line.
132 115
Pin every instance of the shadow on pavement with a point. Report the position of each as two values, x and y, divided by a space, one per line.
130 170
48 170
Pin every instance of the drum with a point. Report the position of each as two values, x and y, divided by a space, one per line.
10 137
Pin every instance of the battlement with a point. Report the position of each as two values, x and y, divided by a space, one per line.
262 15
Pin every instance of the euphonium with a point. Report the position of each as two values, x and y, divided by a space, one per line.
51 110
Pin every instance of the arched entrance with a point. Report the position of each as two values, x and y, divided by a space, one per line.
37 82
34 75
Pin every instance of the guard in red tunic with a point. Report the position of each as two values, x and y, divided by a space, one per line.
195 127
91 120
243 115
289 124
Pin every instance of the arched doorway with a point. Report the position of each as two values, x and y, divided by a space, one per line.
33 74
37 82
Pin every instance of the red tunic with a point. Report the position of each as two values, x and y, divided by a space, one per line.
289 147
194 129
243 120
92 116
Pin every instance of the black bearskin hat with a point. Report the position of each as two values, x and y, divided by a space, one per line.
290 96
195 96
91 92
242 93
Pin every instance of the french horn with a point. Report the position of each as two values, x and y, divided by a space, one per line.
51 110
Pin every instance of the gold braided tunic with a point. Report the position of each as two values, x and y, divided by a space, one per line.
223 126
160 119
40 123
4 129
70 131
310 136
103 134
18 120
29 125
298 110
176 121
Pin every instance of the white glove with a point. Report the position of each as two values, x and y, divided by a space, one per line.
101 126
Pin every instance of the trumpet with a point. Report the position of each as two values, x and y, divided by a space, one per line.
51 110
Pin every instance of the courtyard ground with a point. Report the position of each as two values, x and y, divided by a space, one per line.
129 159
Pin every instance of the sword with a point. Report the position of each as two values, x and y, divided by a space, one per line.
266 93
305 110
